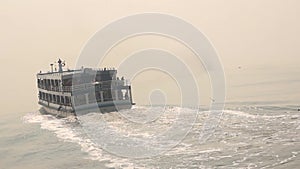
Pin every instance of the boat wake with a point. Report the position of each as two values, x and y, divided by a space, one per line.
243 139
67 130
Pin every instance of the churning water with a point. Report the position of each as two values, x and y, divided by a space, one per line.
247 137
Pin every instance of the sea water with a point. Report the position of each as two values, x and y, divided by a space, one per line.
246 137
259 128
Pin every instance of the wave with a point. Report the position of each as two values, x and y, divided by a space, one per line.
236 128
64 130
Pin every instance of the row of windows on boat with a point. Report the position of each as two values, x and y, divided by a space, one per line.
86 98
64 100
55 86
90 98
77 81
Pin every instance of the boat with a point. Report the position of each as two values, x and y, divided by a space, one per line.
80 91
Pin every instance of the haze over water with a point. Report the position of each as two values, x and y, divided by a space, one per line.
257 42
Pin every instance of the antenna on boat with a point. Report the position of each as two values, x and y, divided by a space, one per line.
60 65
51 65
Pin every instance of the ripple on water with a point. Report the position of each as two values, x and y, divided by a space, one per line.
242 140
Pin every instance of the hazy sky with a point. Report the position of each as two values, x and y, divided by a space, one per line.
247 33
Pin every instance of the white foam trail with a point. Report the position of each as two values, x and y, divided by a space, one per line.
240 113
248 115
65 130
66 133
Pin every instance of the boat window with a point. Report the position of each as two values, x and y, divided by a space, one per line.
67 100
47 97
58 99
62 99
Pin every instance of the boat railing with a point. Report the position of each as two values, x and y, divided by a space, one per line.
84 86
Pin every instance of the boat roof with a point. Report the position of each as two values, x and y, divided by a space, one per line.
70 73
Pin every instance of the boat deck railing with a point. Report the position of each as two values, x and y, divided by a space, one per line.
82 87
